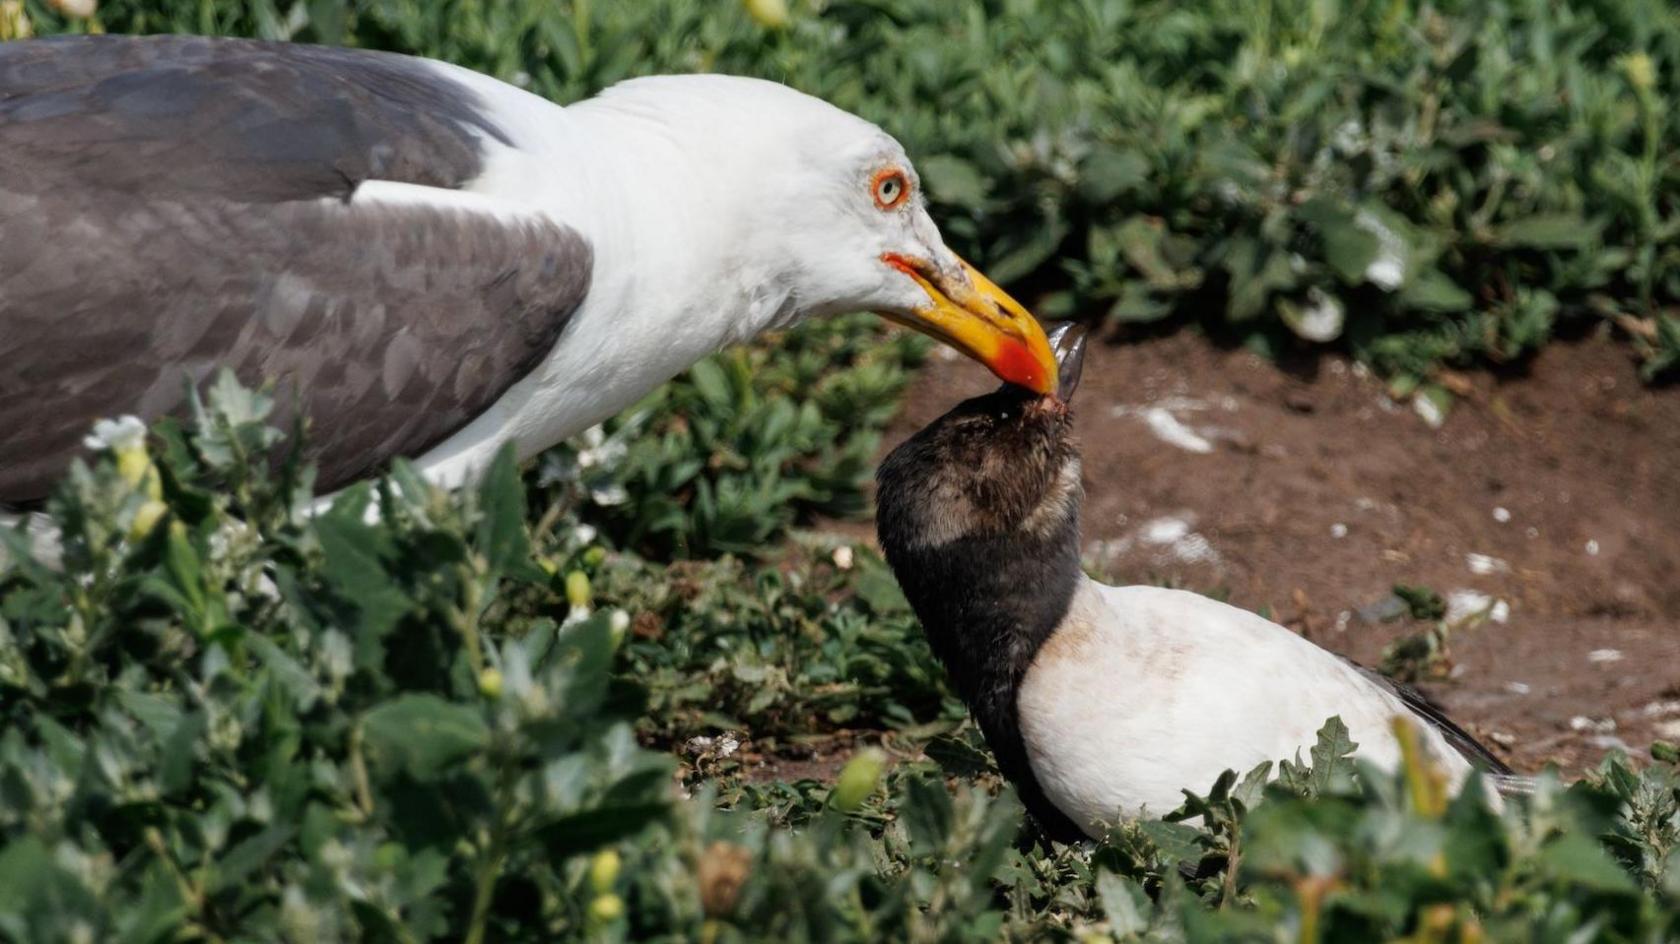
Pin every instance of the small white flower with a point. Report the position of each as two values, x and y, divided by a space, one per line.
608 495
843 557
1348 137
1322 319
1388 269
124 432
599 449
335 856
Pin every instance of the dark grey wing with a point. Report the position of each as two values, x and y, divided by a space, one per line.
192 117
171 205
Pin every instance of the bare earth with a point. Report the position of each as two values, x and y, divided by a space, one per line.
1550 495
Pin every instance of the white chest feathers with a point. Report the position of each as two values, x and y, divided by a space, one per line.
1144 691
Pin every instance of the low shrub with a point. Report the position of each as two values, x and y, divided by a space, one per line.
226 718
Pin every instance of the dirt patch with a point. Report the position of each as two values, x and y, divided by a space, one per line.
1552 496
817 757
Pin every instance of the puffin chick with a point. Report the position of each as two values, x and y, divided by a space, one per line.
1102 702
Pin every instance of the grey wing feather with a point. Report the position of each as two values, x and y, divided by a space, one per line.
194 117
151 231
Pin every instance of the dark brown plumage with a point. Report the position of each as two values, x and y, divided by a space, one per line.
981 527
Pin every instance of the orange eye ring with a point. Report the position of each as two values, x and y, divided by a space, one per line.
889 188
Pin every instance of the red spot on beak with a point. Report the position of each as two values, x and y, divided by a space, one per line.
898 262
1016 364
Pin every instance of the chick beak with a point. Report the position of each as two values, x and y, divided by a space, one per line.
970 313
1068 341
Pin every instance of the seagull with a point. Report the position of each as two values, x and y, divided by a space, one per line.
1103 702
425 261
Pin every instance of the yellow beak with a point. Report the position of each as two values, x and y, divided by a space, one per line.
968 312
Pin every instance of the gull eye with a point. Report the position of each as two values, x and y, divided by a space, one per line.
889 188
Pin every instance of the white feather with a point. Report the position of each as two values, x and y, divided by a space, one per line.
716 207
391 193
1144 691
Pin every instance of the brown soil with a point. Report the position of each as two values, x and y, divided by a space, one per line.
1314 493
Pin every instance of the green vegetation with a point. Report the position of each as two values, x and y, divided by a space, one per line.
227 719
744 444
1421 183
473 717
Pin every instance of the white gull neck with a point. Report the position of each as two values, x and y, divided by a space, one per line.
669 284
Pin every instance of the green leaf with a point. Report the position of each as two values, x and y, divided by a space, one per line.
1124 902
711 383
1423 603
294 678
1141 240
1256 271
1108 173
1431 290
355 554
957 757
31 881
159 714
598 826
1177 842
1332 755
584 649
950 179
1025 253
1349 249
423 734
1578 859
238 863
1248 790
1137 305
1548 231
180 753
157 913
879 590
1663 357
501 528
186 576
928 815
